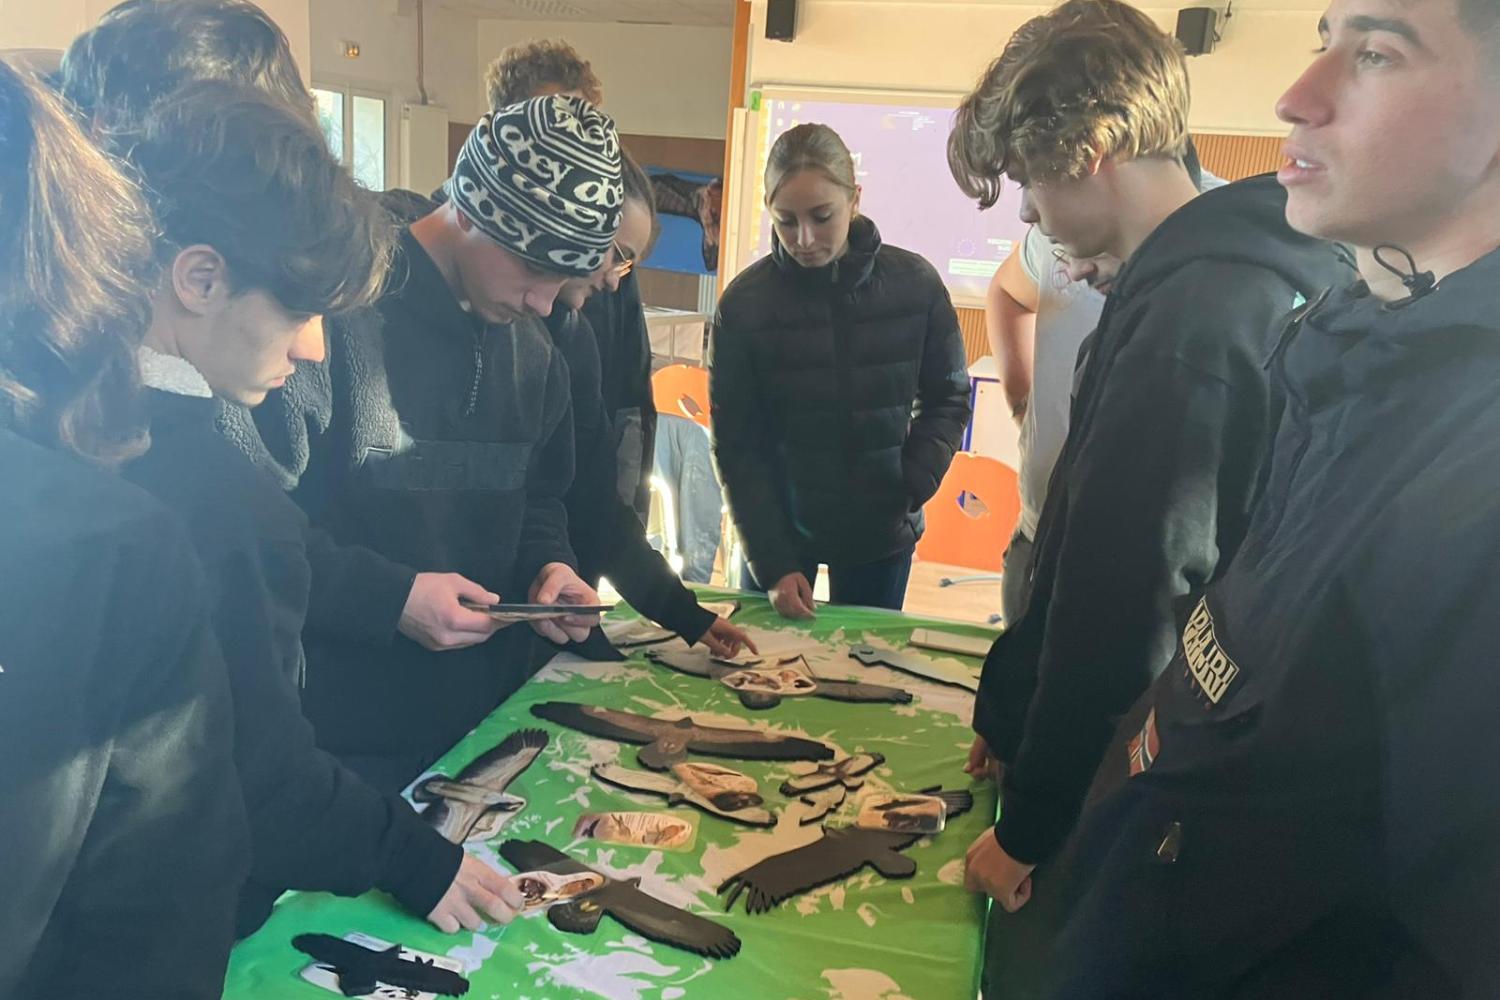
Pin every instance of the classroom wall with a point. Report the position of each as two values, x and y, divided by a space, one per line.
666 80
52 24
915 45
386 32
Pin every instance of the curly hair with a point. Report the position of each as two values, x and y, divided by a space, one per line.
1087 80
231 168
522 70
143 50
76 275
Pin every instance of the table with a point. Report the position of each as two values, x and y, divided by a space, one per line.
860 939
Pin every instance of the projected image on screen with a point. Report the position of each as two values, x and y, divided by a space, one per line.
901 160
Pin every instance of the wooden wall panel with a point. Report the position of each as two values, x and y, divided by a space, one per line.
1233 157
971 322
698 156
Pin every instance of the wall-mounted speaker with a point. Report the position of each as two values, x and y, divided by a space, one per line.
1197 30
781 20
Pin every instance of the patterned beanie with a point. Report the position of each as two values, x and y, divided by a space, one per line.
542 179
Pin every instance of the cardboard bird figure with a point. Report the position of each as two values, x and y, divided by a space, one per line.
709 787
622 900
360 970
762 685
955 675
475 805
839 853
824 786
668 742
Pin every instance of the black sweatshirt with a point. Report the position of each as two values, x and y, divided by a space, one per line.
624 343
314 825
449 448
122 831
604 529
1151 494
839 396
1326 735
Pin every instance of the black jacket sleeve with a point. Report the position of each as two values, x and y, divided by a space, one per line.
544 529
314 825
124 853
357 593
941 411
743 455
607 536
1158 490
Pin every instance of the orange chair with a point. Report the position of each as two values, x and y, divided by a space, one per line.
972 516
682 390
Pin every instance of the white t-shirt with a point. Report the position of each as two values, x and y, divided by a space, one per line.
1067 312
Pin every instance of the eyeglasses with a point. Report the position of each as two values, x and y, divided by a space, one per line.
624 262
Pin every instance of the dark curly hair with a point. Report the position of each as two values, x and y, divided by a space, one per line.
76 274
229 167
143 50
521 70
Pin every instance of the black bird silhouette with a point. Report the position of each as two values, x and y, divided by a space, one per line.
359 968
623 900
836 855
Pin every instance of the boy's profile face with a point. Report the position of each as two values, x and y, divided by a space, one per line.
1077 214
1394 125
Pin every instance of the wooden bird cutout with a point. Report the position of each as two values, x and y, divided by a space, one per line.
360 969
709 787
917 666
839 853
623 900
669 742
475 805
740 675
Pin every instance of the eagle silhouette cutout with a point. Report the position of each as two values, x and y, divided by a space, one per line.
361 970
917 666
475 805
779 679
664 743
624 901
838 854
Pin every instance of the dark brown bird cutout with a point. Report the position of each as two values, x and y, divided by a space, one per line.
839 853
623 900
669 742
475 805
825 786
955 675
709 787
762 684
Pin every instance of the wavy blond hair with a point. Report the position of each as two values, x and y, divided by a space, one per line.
1088 80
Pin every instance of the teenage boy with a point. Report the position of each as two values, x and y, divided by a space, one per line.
260 238
449 441
1087 109
1303 805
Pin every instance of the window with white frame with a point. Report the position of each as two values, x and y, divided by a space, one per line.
354 125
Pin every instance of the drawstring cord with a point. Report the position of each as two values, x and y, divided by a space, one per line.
1418 283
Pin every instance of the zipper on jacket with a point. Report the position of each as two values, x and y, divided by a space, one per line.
473 402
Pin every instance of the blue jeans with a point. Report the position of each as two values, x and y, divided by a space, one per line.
878 584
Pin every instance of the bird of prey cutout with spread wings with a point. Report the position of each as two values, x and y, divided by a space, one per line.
709 787
762 685
839 853
623 900
668 742
360 969
475 805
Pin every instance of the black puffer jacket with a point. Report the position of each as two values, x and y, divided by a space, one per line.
839 396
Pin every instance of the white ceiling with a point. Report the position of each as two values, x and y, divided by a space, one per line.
690 12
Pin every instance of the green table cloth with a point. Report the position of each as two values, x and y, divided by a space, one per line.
863 938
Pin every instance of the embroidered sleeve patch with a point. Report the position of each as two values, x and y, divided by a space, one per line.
1144 747
1209 666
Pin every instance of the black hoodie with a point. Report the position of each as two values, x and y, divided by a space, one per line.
1326 736
313 823
839 395
1171 417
